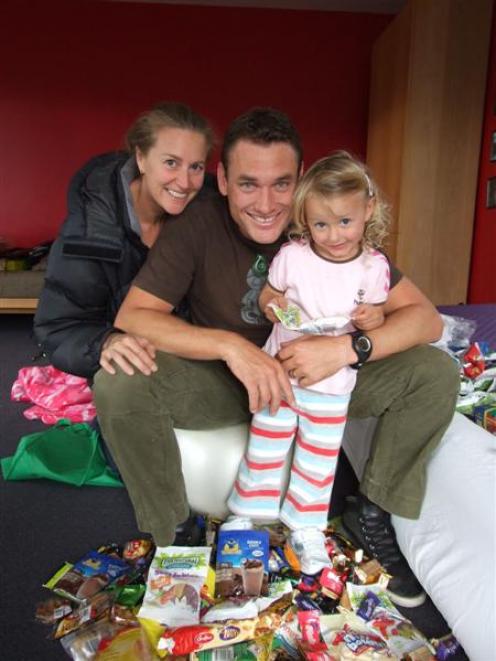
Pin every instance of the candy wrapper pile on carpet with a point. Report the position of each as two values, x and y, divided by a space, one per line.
240 596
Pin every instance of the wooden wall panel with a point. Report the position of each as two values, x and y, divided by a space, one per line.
387 104
434 185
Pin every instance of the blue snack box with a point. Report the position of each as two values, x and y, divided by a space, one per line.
242 563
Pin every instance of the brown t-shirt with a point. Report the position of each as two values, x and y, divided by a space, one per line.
202 256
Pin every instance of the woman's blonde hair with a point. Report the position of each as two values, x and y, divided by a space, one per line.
338 174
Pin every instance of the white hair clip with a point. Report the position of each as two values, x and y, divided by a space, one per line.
370 190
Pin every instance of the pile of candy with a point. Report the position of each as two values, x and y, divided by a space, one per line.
241 596
477 398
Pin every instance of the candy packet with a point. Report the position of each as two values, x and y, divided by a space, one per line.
175 579
88 576
399 633
242 563
53 609
83 645
292 318
252 650
185 640
246 608
127 644
375 607
95 608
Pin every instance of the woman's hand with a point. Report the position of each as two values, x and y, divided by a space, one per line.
128 352
368 317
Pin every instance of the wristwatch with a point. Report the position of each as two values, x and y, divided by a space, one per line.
362 346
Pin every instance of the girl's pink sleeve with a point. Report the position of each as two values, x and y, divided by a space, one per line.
381 279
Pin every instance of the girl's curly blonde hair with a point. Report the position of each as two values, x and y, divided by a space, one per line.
338 174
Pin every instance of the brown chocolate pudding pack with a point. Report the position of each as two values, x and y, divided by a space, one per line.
242 563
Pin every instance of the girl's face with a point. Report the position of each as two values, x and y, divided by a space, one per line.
173 169
337 224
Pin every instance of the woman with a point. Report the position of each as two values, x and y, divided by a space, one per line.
117 204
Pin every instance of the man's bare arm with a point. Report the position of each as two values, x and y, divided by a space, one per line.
262 375
411 319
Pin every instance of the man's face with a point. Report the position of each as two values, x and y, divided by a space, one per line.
259 185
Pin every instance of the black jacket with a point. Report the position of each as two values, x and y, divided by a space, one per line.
90 269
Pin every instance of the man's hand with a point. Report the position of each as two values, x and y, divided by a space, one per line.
312 358
366 317
129 352
263 376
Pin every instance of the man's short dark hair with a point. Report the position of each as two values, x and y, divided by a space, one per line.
263 126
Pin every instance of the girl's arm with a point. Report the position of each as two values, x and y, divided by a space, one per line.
271 295
367 317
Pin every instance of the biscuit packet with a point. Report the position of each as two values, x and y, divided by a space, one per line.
90 575
175 580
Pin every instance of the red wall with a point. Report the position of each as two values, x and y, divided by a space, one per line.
482 287
75 75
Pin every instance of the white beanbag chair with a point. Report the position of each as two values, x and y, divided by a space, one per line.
210 464
452 546
211 458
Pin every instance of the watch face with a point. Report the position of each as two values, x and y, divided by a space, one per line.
363 343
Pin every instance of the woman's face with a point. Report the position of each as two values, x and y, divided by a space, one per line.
173 169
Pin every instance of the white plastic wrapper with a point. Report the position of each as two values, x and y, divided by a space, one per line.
175 578
291 318
457 333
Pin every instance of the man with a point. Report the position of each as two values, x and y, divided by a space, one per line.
211 372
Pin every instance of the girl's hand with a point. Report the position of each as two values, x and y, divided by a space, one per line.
128 352
281 302
368 317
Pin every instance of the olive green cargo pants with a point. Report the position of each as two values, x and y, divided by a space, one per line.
413 394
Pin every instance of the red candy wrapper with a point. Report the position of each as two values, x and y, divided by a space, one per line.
473 362
312 641
332 582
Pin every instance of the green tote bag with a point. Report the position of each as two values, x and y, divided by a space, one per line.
66 452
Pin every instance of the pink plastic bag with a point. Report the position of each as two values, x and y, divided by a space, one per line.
55 395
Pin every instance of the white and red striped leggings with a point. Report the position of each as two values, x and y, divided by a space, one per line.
318 420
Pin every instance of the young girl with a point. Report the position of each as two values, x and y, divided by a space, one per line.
332 267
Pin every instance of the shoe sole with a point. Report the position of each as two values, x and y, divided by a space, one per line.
398 599
407 602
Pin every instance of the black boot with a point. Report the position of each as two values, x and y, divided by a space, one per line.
188 533
369 528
